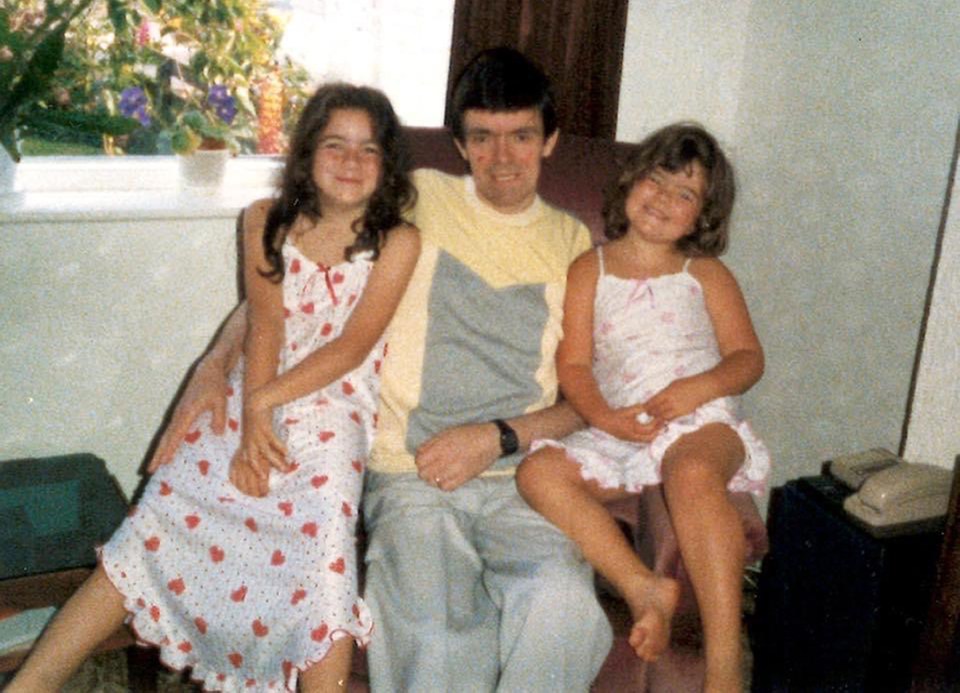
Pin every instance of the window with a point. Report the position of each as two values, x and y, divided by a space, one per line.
402 48
193 71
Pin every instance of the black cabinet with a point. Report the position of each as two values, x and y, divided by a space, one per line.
838 609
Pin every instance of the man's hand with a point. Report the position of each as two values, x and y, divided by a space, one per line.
206 391
457 455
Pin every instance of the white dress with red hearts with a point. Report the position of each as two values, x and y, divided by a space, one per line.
248 592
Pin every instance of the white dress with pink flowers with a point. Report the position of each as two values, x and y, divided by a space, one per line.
249 592
646 334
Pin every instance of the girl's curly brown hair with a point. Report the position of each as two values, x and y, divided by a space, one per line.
674 148
299 195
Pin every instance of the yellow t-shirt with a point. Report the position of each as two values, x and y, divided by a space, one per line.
475 335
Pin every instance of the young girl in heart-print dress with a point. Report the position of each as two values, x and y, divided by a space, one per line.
657 344
239 560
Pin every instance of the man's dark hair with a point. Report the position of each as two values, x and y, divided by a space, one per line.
502 79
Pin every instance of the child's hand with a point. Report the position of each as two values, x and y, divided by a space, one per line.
260 443
247 477
679 398
630 423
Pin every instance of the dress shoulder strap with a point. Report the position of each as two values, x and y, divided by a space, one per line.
686 264
600 257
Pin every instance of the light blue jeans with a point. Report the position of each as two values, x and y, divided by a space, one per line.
474 591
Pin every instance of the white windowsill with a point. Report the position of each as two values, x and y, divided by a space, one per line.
128 188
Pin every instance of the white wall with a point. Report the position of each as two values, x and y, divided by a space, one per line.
100 320
682 61
840 118
934 434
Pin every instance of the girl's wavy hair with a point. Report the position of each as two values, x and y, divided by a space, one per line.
674 148
299 195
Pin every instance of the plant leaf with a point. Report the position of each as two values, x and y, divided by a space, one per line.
39 69
102 123
35 79
9 143
116 10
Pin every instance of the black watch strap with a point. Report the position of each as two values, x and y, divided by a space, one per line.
509 443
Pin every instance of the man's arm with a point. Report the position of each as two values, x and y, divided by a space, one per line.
461 453
206 388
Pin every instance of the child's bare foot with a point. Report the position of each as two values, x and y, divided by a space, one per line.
652 602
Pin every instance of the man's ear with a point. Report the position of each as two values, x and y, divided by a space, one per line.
550 143
461 148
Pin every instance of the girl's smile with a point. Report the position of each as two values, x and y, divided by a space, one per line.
664 206
347 161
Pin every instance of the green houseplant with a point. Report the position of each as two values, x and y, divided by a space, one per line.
191 72
32 39
207 124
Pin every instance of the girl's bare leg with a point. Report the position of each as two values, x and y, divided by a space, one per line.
332 673
552 485
696 470
91 615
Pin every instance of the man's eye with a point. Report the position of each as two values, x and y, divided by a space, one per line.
371 151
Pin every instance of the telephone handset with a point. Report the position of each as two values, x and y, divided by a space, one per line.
856 467
889 491
900 494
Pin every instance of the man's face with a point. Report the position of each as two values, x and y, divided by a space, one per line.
504 150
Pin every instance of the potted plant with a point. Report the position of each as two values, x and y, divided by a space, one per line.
202 139
32 39
206 126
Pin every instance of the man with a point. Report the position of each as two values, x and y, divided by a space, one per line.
470 589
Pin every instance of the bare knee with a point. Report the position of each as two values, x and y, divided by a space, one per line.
703 461
691 470
535 472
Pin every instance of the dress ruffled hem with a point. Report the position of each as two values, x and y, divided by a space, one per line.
614 463
175 656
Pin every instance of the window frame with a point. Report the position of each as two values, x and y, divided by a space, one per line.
59 188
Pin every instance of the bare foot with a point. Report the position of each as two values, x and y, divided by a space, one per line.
652 603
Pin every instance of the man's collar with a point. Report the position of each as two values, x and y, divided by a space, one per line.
527 216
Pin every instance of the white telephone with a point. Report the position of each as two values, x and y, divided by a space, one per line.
856 467
889 491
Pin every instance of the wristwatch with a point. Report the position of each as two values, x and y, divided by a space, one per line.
509 443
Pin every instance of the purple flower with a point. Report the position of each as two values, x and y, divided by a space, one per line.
222 103
133 104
